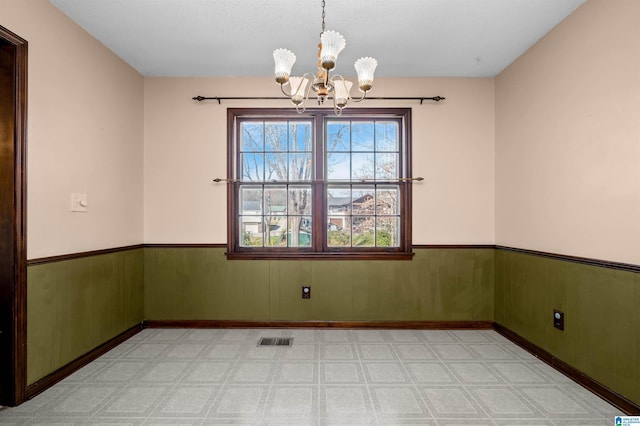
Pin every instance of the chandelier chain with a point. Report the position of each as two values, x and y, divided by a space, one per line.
322 18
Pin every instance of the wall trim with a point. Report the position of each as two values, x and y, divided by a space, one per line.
51 379
454 246
381 325
79 255
199 245
576 259
629 267
611 396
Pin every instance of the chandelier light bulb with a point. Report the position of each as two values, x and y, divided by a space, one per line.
332 44
365 67
284 60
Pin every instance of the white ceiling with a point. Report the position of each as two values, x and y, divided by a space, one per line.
409 38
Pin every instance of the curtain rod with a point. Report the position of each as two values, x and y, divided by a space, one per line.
224 98
396 180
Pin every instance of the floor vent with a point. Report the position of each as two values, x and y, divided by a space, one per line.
275 341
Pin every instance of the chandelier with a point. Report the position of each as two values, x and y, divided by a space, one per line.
322 84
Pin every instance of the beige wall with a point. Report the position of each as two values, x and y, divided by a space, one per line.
85 135
185 148
568 138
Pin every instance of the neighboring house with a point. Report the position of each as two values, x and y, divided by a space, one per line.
342 209
254 222
252 217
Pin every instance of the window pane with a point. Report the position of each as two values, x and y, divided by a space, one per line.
387 231
362 166
299 234
362 136
300 166
275 200
339 231
338 136
387 136
339 219
387 166
338 166
251 216
300 136
252 167
276 166
275 219
387 198
363 200
338 200
251 200
251 231
251 136
276 136
275 231
300 200
363 228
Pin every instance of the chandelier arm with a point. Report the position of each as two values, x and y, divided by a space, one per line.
297 88
364 95
310 77
300 108
283 92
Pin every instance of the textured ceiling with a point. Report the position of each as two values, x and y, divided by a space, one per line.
409 38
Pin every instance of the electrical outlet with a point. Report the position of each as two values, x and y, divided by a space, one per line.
306 292
558 319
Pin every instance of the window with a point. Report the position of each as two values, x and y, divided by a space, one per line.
317 185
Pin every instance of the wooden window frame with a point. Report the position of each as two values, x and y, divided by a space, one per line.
318 249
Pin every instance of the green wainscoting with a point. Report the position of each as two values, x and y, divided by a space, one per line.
438 284
75 305
78 304
602 314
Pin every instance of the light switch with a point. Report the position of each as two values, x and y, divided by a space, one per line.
79 203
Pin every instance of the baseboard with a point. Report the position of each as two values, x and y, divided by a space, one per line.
66 370
614 398
382 325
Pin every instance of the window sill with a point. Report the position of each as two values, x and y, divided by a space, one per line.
320 256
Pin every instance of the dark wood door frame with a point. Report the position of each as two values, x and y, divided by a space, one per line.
13 190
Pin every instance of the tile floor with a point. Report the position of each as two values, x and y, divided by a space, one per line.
328 377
